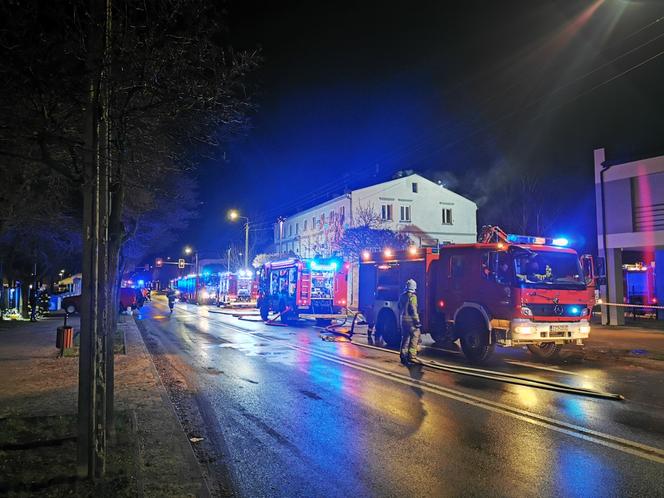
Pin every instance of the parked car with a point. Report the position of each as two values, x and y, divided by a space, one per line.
127 297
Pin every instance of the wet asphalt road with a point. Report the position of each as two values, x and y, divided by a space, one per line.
297 416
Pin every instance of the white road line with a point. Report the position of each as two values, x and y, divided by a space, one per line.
543 367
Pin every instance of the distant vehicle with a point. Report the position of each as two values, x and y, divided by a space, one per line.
508 290
309 288
198 288
639 280
128 299
240 286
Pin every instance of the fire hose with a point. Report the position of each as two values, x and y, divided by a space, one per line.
479 372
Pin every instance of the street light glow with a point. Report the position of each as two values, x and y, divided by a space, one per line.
233 214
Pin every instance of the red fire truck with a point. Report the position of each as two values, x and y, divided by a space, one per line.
507 290
237 287
639 281
309 288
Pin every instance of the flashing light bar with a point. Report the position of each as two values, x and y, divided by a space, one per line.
323 267
527 239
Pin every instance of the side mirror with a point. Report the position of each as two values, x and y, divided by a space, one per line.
588 266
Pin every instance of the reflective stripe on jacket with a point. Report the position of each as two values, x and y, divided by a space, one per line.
408 309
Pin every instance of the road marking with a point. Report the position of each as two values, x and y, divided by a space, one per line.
624 445
542 367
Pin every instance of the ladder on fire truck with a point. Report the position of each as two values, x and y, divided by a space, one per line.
490 234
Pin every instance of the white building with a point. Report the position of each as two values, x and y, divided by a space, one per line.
429 213
630 218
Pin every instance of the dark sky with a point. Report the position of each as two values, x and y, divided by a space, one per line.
462 91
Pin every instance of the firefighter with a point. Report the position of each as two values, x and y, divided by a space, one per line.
410 323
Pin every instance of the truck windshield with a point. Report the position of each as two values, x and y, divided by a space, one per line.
547 269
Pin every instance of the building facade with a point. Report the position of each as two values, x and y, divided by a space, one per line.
630 220
429 213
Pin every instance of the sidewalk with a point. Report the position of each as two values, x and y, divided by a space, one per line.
625 341
151 455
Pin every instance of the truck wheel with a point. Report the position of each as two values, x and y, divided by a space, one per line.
264 310
545 350
475 341
386 327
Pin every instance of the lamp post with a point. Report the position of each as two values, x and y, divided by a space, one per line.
234 215
188 250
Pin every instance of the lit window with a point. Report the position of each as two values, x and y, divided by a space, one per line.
414 185
405 213
386 212
447 216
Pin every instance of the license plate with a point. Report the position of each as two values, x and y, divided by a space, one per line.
558 330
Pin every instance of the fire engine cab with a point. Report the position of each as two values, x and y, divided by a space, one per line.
308 288
506 289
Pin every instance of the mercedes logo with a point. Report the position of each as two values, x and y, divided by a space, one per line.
558 310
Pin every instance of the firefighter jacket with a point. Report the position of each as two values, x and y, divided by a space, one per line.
408 310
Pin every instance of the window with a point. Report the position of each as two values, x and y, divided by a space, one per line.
297 228
447 216
342 212
290 229
331 216
305 225
405 213
386 212
322 220
414 185
313 223
496 267
457 266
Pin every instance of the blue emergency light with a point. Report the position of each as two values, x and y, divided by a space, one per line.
527 239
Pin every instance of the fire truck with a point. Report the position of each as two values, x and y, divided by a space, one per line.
639 281
198 288
507 290
308 288
237 287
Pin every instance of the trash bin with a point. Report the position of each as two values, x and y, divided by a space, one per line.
64 339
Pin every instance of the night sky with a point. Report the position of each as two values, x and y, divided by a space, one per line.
460 91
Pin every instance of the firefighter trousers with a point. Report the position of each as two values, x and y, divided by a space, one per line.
410 338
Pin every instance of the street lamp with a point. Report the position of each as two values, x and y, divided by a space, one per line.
188 250
234 215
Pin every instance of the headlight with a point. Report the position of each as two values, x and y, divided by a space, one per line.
525 310
584 329
524 329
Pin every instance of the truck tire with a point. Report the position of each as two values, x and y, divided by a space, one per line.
545 351
387 328
264 310
475 339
